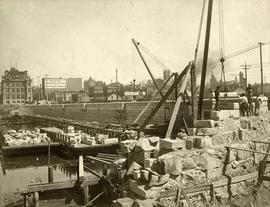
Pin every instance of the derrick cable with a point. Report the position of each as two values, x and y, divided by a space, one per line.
153 57
161 64
221 40
199 32
242 51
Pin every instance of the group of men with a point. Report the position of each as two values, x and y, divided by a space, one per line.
249 105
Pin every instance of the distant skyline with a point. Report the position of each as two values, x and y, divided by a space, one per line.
79 38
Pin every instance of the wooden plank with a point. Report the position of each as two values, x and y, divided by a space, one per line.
98 160
106 154
266 178
58 185
176 107
216 184
81 170
93 172
247 150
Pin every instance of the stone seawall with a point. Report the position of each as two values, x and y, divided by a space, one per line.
118 112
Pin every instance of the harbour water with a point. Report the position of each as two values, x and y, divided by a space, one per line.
18 172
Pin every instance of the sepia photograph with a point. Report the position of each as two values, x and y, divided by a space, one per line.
134 103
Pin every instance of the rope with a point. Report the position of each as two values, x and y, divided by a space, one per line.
200 31
161 64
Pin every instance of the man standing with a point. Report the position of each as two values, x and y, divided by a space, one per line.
244 105
217 98
258 103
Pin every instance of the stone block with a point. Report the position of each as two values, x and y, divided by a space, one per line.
214 173
229 124
169 164
140 190
110 141
144 175
189 143
207 131
189 163
155 153
244 123
242 133
224 114
206 141
127 145
189 176
243 155
140 156
132 167
215 115
206 162
136 174
192 131
149 162
124 202
143 203
172 144
154 178
204 123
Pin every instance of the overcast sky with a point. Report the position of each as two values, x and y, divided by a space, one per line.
79 38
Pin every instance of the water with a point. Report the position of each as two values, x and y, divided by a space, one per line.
19 172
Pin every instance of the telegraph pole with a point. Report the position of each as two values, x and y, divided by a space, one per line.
245 67
260 44
205 57
116 84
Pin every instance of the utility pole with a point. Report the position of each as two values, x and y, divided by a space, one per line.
116 84
260 43
205 57
246 67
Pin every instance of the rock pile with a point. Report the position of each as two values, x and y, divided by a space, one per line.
25 137
154 167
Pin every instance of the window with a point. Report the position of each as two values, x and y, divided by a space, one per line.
13 96
7 90
22 95
17 90
17 84
13 90
13 84
18 96
22 89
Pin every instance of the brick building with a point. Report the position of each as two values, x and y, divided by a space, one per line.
16 87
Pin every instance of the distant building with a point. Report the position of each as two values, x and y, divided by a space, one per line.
16 87
114 97
213 82
88 86
100 91
53 86
60 89
74 84
166 74
242 80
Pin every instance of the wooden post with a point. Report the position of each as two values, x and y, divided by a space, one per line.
50 174
205 57
80 169
36 199
85 194
25 200
212 194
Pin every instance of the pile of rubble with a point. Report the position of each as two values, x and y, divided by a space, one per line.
154 169
74 138
25 137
